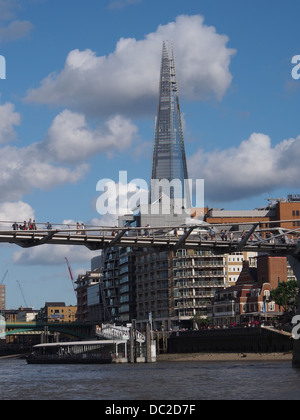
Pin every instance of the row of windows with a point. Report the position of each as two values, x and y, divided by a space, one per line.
235 259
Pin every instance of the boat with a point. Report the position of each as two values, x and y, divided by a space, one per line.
77 352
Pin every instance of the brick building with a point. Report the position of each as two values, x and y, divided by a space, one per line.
249 300
84 284
58 312
277 211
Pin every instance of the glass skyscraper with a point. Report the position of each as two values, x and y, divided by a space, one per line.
169 158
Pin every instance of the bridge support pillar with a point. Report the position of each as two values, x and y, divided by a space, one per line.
295 264
132 345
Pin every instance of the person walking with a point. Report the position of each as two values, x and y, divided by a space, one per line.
15 226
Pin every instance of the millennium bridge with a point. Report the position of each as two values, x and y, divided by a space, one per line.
207 237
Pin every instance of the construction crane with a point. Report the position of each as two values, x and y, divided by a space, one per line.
3 278
26 304
71 274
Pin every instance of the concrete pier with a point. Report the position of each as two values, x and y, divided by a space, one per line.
140 352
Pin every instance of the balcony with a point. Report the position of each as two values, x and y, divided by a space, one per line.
196 284
198 274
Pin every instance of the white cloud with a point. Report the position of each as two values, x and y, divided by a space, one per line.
126 81
70 139
27 168
9 119
52 255
252 168
61 157
15 211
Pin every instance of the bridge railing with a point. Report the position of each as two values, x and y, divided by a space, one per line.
201 232
113 332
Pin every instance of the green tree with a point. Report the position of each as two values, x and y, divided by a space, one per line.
286 296
201 321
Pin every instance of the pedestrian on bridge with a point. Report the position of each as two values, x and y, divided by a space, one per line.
49 226
15 226
212 233
147 233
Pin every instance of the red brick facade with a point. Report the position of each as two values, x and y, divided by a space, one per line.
249 299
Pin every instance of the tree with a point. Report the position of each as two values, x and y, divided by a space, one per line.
200 321
286 295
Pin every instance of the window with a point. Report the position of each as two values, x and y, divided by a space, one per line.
272 307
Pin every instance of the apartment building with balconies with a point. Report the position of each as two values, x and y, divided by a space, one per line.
173 287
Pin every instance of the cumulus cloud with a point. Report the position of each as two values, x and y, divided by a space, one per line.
62 156
70 139
24 169
15 211
52 255
9 119
126 81
254 167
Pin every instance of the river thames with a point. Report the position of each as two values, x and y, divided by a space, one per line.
167 381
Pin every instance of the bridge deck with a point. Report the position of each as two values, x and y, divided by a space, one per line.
156 240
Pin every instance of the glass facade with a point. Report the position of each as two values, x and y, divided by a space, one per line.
169 159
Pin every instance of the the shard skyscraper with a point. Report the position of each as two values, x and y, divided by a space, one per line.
169 158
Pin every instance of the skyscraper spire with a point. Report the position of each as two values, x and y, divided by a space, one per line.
169 158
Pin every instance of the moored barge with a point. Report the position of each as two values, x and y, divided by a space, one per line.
78 352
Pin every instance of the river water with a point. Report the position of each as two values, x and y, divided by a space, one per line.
161 381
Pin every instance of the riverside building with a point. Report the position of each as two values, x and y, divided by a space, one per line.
173 287
249 299
279 209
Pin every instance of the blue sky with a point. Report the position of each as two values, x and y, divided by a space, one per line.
80 98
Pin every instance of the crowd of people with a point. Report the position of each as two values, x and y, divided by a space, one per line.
30 225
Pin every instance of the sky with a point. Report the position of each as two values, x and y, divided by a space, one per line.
79 101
